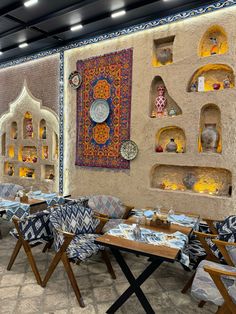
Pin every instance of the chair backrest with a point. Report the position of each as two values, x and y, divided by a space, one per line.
227 233
8 190
74 217
36 227
108 205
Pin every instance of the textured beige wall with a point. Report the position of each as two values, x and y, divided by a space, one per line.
133 186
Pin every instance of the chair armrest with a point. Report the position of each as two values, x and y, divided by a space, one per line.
128 209
102 223
97 214
202 238
210 223
222 247
219 272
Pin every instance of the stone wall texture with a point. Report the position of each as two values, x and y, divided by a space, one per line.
42 77
133 186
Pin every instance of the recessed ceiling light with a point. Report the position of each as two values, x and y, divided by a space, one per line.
76 27
23 45
1 52
118 13
29 3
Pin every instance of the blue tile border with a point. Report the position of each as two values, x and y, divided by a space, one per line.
132 29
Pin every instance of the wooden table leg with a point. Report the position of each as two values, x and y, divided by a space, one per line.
134 283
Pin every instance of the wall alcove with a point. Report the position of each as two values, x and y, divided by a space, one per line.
33 158
203 180
161 104
212 77
210 136
170 134
163 51
213 42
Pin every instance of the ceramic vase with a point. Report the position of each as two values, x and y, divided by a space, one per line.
210 138
171 147
10 171
161 100
189 180
164 55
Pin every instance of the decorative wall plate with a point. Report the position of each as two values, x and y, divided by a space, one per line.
129 150
75 79
99 110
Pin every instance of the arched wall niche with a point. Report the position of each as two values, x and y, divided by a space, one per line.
212 77
213 42
210 132
160 98
164 137
29 166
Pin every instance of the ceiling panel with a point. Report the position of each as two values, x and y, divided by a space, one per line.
47 24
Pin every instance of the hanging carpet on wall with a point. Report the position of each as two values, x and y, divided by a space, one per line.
103 109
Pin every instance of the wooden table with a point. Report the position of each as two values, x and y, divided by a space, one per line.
156 254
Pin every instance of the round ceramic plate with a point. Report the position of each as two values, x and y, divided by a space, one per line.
99 110
75 79
129 150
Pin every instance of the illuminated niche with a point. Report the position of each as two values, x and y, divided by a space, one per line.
170 137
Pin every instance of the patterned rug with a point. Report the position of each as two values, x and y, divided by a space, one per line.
107 77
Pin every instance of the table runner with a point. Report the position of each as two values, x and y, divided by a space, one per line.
14 208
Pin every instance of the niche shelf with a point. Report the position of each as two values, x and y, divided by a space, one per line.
165 135
203 180
163 51
159 95
32 151
13 133
210 136
28 154
212 77
213 42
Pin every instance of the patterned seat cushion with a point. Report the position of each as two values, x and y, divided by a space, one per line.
112 223
35 228
82 247
204 288
108 205
9 190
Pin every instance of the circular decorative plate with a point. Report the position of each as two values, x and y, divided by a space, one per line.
129 150
99 110
75 79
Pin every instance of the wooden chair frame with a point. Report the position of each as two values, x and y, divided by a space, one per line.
61 255
229 307
27 248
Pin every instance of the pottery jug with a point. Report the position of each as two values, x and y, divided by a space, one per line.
189 180
171 147
10 171
210 138
164 55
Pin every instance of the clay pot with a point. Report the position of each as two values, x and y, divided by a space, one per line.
210 138
216 86
35 159
189 180
10 171
171 147
164 55
159 149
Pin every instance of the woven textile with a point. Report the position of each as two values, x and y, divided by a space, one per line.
35 228
108 205
109 78
9 190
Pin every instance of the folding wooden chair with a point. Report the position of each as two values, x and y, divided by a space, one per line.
30 232
75 228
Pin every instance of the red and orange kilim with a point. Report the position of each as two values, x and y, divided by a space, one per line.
107 77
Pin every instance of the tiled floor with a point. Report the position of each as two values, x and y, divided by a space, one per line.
20 294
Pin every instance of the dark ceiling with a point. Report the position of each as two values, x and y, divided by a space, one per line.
47 24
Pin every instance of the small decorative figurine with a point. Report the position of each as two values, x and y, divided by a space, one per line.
153 115
51 176
216 86
161 100
210 138
214 48
193 87
45 153
171 147
226 82
164 55
159 149
10 171
172 112
29 128
44 134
